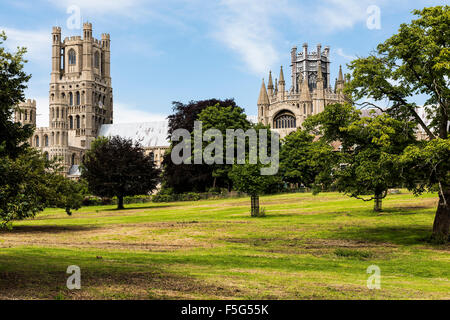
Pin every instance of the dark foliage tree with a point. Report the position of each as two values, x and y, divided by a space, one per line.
118 167
189 177
414 61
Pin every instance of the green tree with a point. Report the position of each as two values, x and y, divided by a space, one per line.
189 177
118 167
30 183
414 61
222 118
303 160
248 178
13 81
365 168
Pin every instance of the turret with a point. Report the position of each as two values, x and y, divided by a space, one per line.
56 54
293 69
26 113
106 67
87 51
319 82
320 90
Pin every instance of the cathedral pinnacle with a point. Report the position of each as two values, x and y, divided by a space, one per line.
263 97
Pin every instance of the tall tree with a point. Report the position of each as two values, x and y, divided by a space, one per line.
414 61
365 167
118 167
248 178
303 160
189 177
13 82
28 182
223 119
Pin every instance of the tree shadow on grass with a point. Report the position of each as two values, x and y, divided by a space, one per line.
151 284
137 208
47 229
405 211
402 235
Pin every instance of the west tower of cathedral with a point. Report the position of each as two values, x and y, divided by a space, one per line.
80 96
285 110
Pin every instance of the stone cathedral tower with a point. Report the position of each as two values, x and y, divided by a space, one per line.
285 110
81 98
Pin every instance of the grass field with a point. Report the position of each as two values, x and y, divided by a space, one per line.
308 247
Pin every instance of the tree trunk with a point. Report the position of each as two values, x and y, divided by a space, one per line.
377 203
120 203
255 205
441 225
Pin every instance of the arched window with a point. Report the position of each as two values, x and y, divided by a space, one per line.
31 115
284 120
72 57
26 115
71 122
78 99
46 141
57 112
78 122
36 141
97 60
71 99
73 159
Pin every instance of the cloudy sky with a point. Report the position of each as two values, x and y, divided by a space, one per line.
181 50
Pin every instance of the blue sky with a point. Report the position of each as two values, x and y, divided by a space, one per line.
181 50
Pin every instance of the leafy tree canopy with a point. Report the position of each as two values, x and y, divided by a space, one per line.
118 167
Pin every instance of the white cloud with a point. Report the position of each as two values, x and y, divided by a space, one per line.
341 53
245 26
101 7
124 113
38 43
333 15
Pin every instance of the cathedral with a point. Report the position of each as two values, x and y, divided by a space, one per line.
81 100
285 110
81 105
80 97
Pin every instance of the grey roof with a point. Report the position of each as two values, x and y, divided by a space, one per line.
148 134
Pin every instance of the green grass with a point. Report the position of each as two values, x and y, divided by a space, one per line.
307 247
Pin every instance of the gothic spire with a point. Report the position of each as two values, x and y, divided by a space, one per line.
270 84
305 95
263 97
281 81
340 77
